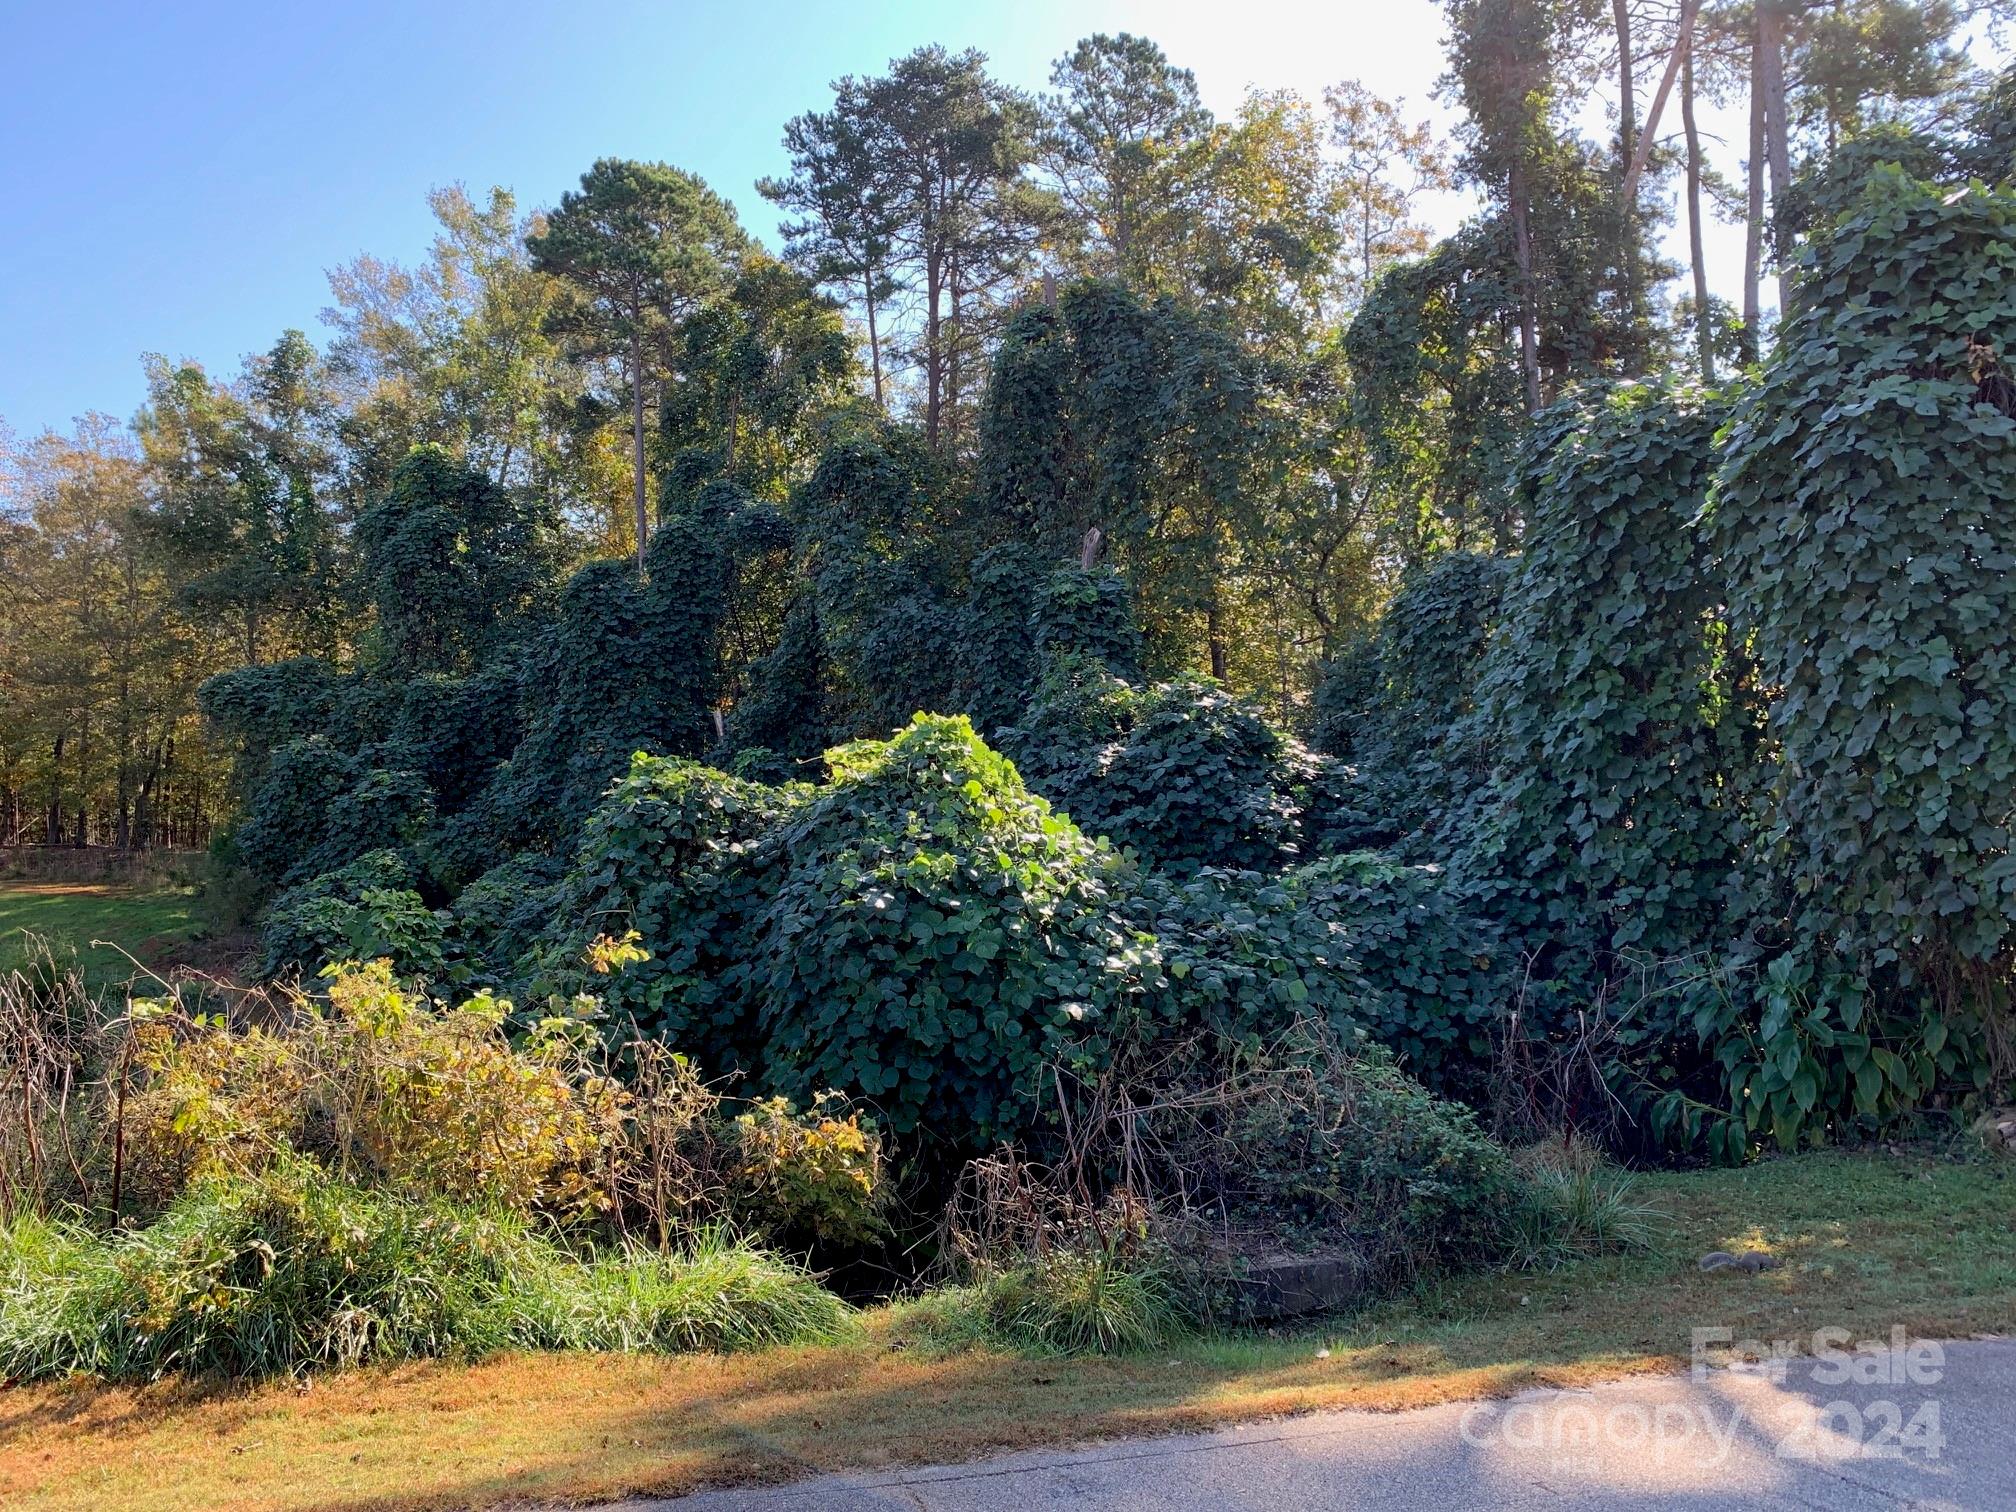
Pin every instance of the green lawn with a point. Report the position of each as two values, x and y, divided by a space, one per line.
70 915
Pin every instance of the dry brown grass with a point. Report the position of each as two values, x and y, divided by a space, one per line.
1869 1240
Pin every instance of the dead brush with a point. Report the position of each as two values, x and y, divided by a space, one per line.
49 1043
1209 1155
72 1073
667 1173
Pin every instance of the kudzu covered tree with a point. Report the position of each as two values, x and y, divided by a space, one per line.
1608 700
1865 509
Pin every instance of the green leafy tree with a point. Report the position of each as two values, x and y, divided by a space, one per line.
1436 396
755 374
946 147
240 480
1269 229
845 237
1383 166
645 245
1125 139
98 658
456 352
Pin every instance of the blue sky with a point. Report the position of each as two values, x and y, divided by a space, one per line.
178 178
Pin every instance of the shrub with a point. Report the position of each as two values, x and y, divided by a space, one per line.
442 1103
1335 1146
1240 956
1799 1056
1433 977
317 808
208 1104
814 1173
1314 1141
362 911
1352 942
382 1088
496 920
1087 613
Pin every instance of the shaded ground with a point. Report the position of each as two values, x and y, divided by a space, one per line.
1870 1241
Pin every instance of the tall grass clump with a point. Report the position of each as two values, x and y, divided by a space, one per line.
1578 1206
1085 1299
292 1271
278 1182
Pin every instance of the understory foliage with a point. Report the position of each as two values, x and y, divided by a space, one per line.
1398 702
1188 1158
1181 773
295 1183
380 1089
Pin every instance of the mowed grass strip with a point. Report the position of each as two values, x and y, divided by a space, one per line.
70 915
1870 1240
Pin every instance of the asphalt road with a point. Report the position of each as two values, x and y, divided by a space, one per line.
1928 1426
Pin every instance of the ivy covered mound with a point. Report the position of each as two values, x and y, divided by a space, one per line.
922 931
925 932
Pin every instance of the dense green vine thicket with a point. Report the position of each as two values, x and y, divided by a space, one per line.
1140 420
1864 513
1182 773
1433 355
1708 782
455 565
1399 703
924 931
928 933
1609 698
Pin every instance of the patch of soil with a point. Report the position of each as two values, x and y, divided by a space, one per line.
69 889
225 958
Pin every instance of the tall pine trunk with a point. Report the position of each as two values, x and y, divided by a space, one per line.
637 441
874 337
934 349
1753 235
1522 252
1627 222
1777 127
1704 336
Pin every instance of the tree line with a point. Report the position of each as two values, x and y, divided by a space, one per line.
1348 391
